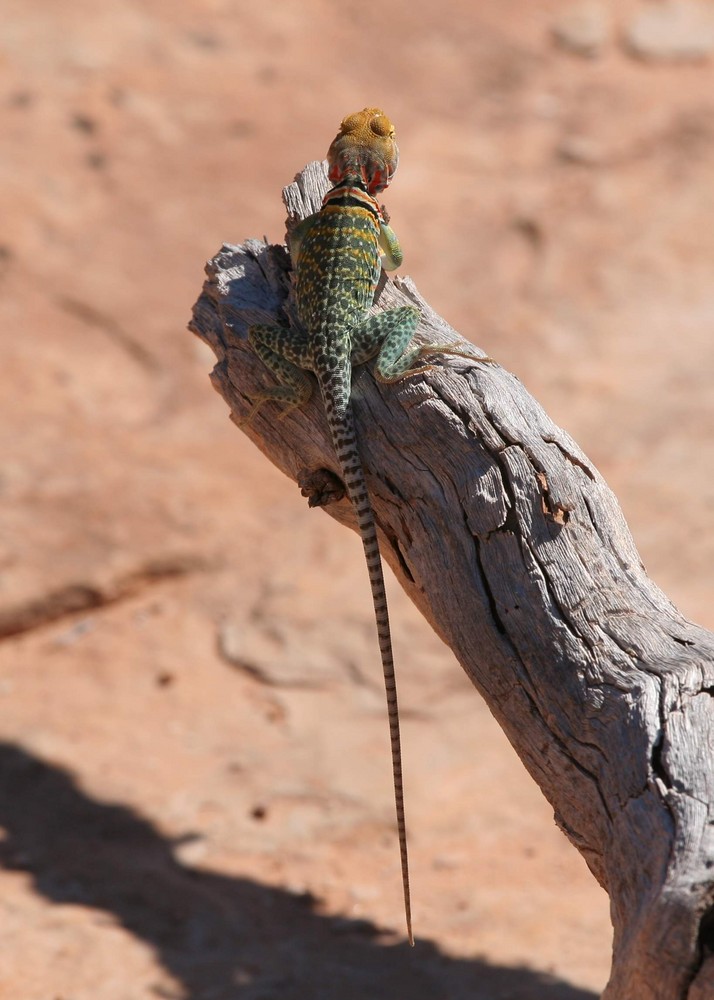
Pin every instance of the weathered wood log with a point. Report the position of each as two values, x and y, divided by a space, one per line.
514 549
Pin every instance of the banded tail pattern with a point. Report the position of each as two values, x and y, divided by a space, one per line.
344 439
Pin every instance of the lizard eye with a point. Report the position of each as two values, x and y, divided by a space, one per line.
350 123
381 126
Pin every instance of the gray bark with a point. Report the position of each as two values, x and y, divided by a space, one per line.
514 549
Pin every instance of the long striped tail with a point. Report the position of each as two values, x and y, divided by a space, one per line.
345 443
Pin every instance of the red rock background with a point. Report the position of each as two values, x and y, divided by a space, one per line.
194 781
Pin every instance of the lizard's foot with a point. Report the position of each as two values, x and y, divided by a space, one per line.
283 395
398 376
456 348
248 419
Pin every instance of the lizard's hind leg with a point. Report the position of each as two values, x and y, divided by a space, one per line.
395 328
387 334
276 346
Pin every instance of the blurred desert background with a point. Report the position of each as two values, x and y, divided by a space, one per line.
195 792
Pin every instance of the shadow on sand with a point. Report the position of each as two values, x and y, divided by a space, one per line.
222 938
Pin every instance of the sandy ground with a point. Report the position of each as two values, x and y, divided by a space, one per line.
176 827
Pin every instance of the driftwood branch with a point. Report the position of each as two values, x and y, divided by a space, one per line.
515 550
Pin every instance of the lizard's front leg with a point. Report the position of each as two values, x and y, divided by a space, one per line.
283 351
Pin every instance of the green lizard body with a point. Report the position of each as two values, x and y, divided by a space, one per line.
337 259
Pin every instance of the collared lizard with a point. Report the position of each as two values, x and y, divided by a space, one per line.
337 254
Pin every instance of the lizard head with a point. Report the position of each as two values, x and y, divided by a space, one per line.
365 147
